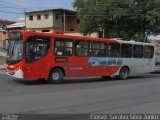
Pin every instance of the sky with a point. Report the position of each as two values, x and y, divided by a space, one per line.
14 9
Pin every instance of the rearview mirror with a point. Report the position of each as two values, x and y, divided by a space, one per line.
5 44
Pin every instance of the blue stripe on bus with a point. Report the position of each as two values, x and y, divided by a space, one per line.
105 61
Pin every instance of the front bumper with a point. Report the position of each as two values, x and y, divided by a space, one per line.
17 74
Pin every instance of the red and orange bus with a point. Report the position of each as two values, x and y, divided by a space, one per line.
51 56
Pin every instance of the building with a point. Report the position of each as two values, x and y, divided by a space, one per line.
18 25
53 20
155 39
3 24
157 47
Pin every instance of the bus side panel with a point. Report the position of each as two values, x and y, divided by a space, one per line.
98 71
79 67
76 67
112 70
104 66
149 65
97 66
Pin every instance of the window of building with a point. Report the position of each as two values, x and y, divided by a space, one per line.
99 49
78 21
126 50
113 49
45 30
38 17
63 47
138 51
71 29
31 17
57 16
148 51
46 16
83 48
36 48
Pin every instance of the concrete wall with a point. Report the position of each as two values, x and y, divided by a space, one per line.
57 23
53 24
43 23
71 23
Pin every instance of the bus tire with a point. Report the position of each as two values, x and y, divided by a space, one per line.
106 77
56 76
123 74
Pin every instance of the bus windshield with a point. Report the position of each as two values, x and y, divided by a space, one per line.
15 51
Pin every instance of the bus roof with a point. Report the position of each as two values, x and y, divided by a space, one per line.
134 42
80 37
63 35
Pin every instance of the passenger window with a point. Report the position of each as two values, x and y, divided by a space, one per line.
99 49
138 51
148 51
114 50
36 48
83 48
126 50
63 47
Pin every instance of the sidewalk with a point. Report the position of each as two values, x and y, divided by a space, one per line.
2 60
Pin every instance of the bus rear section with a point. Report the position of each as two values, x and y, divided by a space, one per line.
138 57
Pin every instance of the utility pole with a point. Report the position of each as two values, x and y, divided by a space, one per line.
64 22
25 16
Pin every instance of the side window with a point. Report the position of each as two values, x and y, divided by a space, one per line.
148 51
63 47
138 51
99 49
126 50
113 49
83 48
36 48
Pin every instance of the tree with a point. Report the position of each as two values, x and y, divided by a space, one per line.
129 19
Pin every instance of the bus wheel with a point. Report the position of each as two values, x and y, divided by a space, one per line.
56 76
106 77
123 74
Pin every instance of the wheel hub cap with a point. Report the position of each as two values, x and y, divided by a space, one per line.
55 76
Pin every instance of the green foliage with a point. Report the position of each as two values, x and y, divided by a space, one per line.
129 19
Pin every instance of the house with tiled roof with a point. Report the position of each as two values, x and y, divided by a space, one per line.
3 26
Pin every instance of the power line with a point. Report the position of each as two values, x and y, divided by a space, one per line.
10 12
4 2
11 7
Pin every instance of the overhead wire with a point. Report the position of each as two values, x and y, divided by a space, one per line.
9 6
4 2
10 12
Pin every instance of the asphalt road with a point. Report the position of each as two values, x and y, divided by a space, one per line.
140 94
